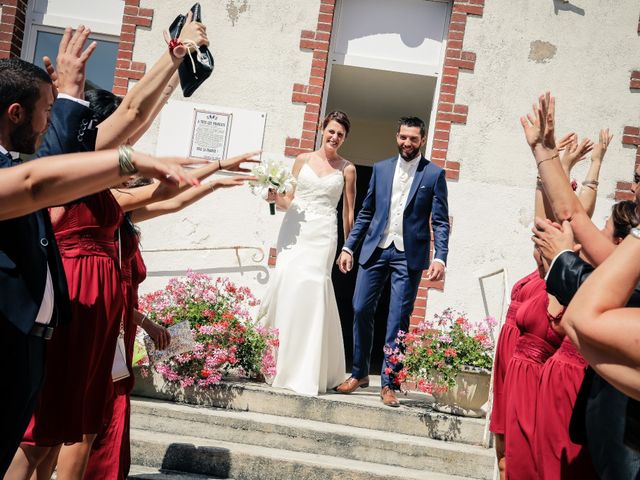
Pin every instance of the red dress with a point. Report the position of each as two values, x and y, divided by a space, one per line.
536 343
80 354
558 457
509 334
110 454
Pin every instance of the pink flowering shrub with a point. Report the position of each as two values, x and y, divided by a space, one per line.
227 342
435 352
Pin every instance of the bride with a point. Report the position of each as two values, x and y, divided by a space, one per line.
300 301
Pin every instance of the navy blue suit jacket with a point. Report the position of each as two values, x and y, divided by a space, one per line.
27 243
427 199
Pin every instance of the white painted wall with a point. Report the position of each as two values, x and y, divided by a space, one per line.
255 45
492 204
257 60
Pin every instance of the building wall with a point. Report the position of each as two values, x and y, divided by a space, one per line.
258 59
585 54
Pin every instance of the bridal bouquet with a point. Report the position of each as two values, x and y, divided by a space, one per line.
271 175
227 342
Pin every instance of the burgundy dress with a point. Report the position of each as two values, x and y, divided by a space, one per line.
558 457
111 455
509 334
536 343
80 354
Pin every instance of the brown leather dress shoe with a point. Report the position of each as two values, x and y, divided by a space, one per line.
351 384
388 397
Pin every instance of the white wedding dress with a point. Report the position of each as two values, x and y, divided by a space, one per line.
300 301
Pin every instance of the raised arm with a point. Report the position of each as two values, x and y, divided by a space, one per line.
141 101
162 100
606 334
348 199
133 198
539 131
184 199
59 179
589 192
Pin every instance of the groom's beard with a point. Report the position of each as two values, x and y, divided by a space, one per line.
408 154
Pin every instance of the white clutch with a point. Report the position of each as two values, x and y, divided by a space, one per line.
182 341
119 369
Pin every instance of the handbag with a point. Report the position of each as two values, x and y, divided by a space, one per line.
120 367
182 341
198 68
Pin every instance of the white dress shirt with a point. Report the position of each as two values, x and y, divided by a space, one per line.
402 180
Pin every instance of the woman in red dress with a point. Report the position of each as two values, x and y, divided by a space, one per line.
110 455
536 343
80 355
557 456
509 334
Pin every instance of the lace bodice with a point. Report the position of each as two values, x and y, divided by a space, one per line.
319 195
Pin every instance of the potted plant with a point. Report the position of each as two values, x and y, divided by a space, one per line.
449 357
227 342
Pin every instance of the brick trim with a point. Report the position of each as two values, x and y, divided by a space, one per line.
311 94
126 68
12 24
456 59
420 306
631 137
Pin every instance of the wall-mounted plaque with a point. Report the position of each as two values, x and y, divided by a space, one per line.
210 136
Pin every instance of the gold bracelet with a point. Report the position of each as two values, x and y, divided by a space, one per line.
547 159
595 183
592 187
127 168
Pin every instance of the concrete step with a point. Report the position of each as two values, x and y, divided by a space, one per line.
139 472
360 409
249 462
310 436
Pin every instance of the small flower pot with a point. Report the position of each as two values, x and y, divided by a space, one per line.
467 396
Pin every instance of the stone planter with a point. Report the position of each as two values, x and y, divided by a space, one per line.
467 396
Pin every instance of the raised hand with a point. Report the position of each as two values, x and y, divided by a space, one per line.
567 140
539 126
601 147
575 153
195 32
71 62
233 164
230 182
167 169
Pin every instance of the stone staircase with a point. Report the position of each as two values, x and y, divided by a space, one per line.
250 431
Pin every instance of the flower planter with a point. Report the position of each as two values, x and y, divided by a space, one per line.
467 396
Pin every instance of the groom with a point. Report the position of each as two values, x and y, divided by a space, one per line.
393 226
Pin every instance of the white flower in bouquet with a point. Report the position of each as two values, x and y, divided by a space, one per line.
271 175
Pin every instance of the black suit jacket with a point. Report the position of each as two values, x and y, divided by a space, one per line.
27 243
567 273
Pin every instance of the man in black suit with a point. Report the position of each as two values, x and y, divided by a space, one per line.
33 289
599 419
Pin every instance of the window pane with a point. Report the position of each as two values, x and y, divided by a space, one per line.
100 68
